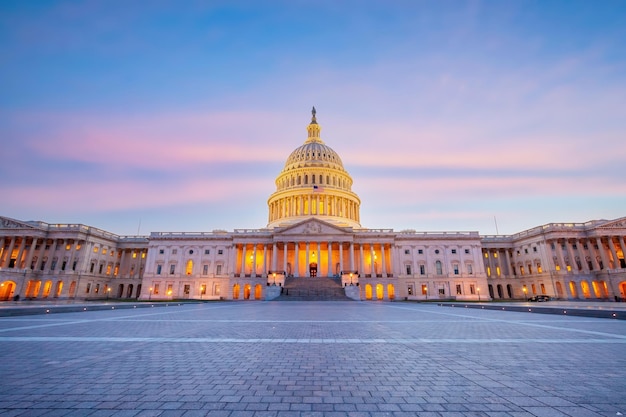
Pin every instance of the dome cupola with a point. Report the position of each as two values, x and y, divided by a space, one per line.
314 183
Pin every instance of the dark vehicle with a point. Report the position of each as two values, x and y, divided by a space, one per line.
539 298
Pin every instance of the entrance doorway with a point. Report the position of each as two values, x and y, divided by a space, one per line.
313 269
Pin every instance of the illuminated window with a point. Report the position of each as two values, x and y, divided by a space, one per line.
134 255
88 288
156 288
143 255
521 270
108 269
95 249
486 255
104 251
539 269
424 289
495 255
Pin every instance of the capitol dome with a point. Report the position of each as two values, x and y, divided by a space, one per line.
314 183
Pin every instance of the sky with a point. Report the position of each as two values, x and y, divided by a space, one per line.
144 116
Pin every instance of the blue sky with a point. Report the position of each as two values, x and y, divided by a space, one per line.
178 116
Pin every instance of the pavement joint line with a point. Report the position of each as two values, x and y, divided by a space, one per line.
303 340
524 323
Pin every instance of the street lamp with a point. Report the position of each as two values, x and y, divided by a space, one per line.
150 294
274 276
524 289
108 292
426 291
202 290
478 290
350 278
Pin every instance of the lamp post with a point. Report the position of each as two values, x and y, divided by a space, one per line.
108 292
478 290
202 290
524 289
351 278
426 291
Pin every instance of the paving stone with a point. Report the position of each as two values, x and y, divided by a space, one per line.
312 358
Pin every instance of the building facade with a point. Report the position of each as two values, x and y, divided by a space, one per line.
313 230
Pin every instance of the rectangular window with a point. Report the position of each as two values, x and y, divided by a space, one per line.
410 289
442 291
159 268
472 289
456 269
219 270
161 251
53 265
169 289
108 269
100 269
205 269
454 251
534 248
424 289
134 255
220 251
420 251
207 251
467 251
470 270
408 269
543 288
422 270
156 288
406 251
458 289
174 251
88 288
172 269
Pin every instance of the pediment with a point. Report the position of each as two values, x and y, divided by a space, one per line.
312 227
8 223
614 224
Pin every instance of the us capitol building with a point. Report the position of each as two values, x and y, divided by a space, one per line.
313 234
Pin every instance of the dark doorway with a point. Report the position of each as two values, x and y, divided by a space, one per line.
313 269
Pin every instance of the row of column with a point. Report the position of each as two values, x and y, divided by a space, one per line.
310 204
601 258
311 249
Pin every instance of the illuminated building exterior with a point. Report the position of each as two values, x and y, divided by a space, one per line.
313 231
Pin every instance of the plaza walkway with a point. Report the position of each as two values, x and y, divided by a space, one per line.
311 358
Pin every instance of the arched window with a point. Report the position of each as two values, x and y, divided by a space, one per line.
189 268
306 179
299 179
438 268
327 180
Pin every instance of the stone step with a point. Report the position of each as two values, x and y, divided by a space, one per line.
312 289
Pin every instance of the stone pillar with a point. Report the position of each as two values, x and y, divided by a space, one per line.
330 259
383 260
593 255
20 251
571 255
264 267
622 246
351 256
243 260
559 255
253 272
508 261
285 247
603 256
31 254
372 270
42 251
341 257
274 257
613 253
121 271
296 272
307 269
319 258
362 260
7 255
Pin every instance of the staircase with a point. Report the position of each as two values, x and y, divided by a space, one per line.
313 289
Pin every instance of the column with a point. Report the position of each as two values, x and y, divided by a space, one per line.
307 269
570 254
20 251
559 254
330 259
372 270
605 261
351 256
243 260
285 247
296 272
274 257
122 261
583 256
362 260
384 260
492 270
340 257
593 255
613 253
42 250
264 270
7 260
622 245
31 254
253 272
508 261
319 258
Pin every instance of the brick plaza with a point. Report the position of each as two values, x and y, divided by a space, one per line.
311 358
